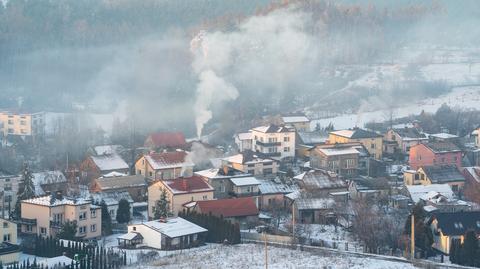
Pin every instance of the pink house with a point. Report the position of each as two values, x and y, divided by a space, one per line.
435 153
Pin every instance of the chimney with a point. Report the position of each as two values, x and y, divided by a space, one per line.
225 169
184 184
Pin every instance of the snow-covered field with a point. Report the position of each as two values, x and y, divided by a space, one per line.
253 256
464 97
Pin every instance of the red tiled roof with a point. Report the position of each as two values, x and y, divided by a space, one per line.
188 185
168 139
236 207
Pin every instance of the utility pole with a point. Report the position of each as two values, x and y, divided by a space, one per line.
266 249
293 221
412 239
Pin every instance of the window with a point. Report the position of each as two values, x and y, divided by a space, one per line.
134 228
111 212
10 122
272 140
251 165
23 131
93 214
6 238
455 188
419 158
22 122
82 229
286 149
267 163
393 137
205 197
372 146
139 172
10 131
350 163
443 159
28 228
5 225
93 228
286 139
83 216
267 171
43 230
150 173
455 158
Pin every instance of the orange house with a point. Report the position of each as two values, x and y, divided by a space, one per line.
435 153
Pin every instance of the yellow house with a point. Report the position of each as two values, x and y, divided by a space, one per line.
372 141
27 124
45 216
179 192
449 226
164 166
442 174
9 251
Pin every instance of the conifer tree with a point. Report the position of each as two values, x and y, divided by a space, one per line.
123 211
106 219
161 206
27 192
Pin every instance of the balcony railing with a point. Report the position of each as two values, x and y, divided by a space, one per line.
28 221
269 144
55 224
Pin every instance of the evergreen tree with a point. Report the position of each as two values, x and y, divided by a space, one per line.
27 192
161 206
123 211
106 219
68 231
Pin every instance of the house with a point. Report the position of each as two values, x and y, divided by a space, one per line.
315 210
135 185
9 250
436 197
165 234
239 210
22 123
442 174
443 137
45 216
337 158
112 199
253 163
96 166
274 141
169 141
434 153
307 141
405 138
245 186
272 194
219 179
300 122
244 141
179 192
476 135
320 183
164 165
449 226
9 186
372 141
419 192
369 188
472 182
48 182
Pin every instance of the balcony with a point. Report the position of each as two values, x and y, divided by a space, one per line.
28 221
273 154
55 224
269 144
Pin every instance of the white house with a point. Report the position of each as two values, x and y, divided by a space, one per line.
274 141
243 141
166 234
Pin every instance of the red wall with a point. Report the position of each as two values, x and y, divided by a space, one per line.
429 158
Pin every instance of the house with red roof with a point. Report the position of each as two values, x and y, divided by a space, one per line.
241 210
164 165
179 192
166 141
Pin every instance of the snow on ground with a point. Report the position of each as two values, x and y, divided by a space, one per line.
464 97
253 256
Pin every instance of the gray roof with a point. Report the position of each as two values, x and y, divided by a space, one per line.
314 203
409 133
270 187
443 173
316 179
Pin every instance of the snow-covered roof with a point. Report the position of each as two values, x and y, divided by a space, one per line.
476 132
273 129
245 136
314 203
48 201
338 151
174 227
294 195
443 136
109 162
109 183
244 181
429 208
474 172
130 236
270 187
220 173
167 160
295 119
48 177
114 174
418 192
111 198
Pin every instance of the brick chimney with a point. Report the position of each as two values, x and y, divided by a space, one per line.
184 184
225 169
